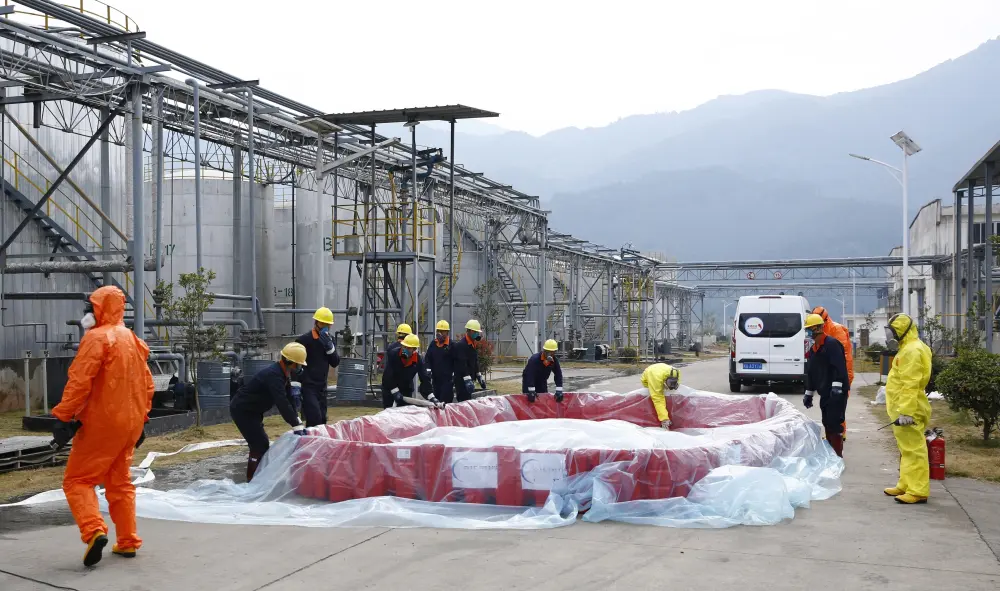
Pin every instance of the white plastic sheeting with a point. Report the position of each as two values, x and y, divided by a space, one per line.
731 460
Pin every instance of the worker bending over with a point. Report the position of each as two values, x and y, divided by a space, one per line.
535 377
826 373
465 354
660 378
106 402
908 408
271 387
401 366
840 332
321 355
440 364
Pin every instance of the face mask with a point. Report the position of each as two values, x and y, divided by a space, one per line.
442 337
477 336
324 330
890 335
400 337
88 321
404 352
297 371
672 383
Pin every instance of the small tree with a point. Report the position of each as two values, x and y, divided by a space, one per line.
871 322
972 383
935 332
490 315
711 324
200 342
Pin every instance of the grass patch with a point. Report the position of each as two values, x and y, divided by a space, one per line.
21 483
967 454
864 365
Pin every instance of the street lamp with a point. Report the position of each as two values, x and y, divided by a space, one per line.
909 148
724 308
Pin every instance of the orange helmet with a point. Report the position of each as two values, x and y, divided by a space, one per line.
822 313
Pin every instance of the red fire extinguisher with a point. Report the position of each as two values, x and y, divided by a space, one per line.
935 454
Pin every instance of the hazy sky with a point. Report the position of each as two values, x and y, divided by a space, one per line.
547 64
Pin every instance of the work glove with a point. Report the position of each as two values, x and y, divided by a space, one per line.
63 432
531 395
469 386
807 400
327 341
559 394
904 420
665 425
397 396
837 390
433 399
481 380
142 437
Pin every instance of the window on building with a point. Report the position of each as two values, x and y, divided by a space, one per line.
979 230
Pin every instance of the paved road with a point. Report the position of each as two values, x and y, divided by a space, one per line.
860 539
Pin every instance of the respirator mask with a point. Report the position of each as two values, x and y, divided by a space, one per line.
88 321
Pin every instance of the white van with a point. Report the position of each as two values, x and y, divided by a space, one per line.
769 341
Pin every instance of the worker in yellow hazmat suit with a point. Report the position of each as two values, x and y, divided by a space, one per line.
659 378
907 405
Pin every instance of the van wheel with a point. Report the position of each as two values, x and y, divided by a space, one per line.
734 384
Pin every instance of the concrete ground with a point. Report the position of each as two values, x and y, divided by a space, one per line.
860 539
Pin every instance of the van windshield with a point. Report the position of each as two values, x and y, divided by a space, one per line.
770 325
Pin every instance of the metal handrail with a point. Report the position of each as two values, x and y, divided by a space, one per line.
94 8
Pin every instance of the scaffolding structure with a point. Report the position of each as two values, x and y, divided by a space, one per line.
404 217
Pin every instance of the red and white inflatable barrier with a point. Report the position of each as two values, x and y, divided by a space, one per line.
370 456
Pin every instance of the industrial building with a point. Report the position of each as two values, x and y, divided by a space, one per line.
128 163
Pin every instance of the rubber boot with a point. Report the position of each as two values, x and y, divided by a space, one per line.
894 492
837 443
908 499
95 549
252 464
123 552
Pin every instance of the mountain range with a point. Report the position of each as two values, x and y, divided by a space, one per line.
756 176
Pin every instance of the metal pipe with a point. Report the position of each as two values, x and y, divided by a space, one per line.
229 296
988 260
87 266
351 312
956 262
138 223
451 223
45 381
229 310
294 300
162 322
158 187
46 295
195 87
106 187
255 303
969 277
416 232
27 383
238 218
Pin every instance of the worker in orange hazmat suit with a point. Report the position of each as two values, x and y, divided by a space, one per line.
843 336
110 393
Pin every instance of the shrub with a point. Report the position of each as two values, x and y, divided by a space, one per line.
628 355
938 363
484 350
971 383
874 352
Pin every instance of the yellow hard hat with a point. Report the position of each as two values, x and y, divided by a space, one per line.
814 320
404 329
323 315
473 325
411 340
551 345
295 352
442 325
